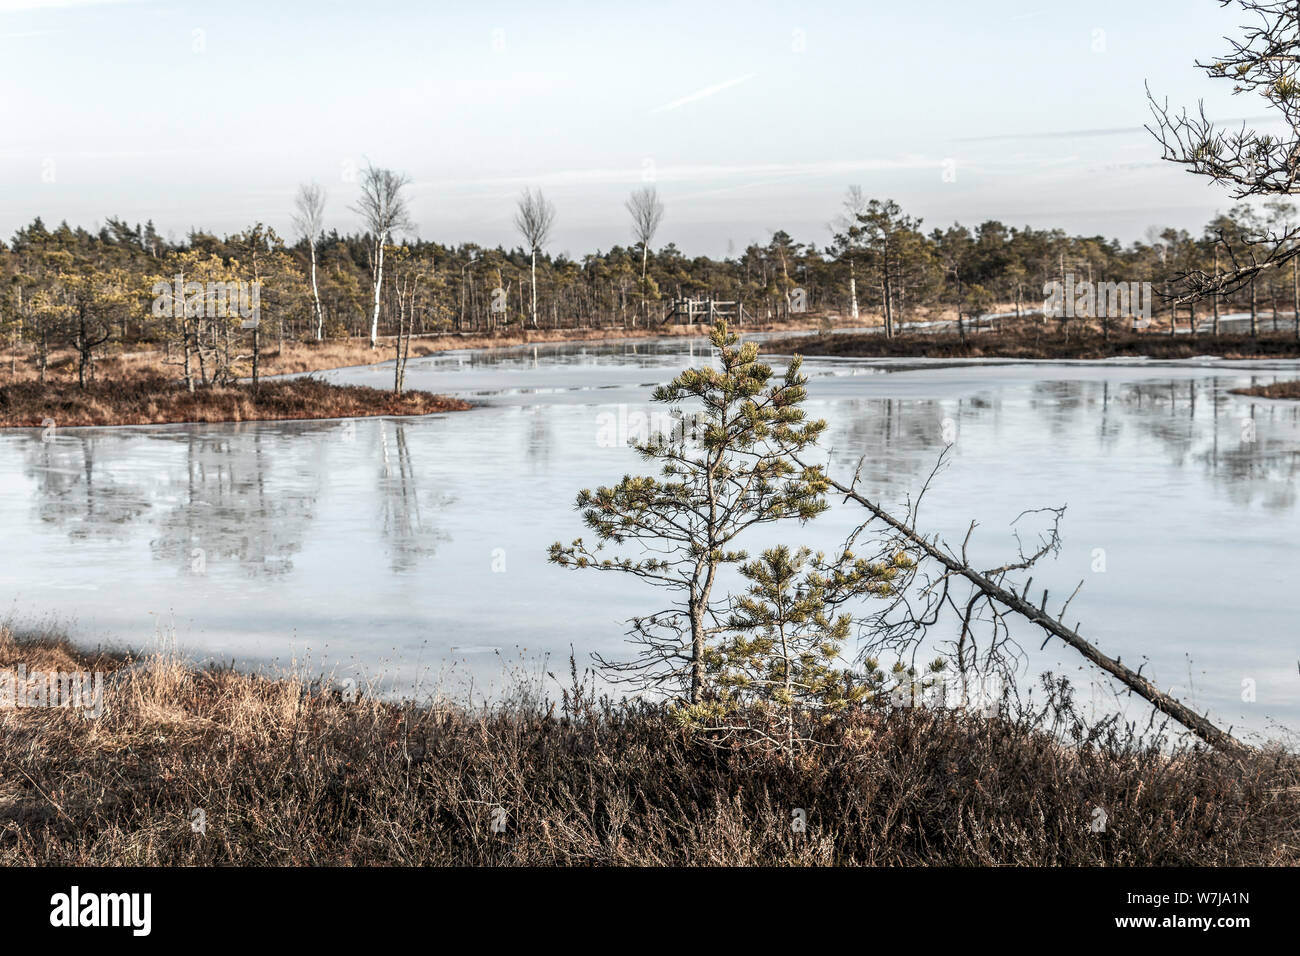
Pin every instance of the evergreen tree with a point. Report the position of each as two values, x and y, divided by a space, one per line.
757 668
781 658
726 469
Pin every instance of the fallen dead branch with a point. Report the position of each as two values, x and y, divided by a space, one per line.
989 586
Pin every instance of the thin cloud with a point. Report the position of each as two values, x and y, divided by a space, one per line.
22 6
699 172
1055 134
704 93
1110 131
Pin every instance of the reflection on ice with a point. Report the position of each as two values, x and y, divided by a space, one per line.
402 544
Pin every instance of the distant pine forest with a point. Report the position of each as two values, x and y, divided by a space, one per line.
90 293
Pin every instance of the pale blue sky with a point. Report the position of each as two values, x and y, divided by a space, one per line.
749 116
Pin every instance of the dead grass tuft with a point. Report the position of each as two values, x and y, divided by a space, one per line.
290 775
1031 339
150 399
1273 390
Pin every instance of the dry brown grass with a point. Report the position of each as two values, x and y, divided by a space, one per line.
288 775
150 398
1272 390
341 353
1032 339
18 365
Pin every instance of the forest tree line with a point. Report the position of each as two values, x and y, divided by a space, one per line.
92 292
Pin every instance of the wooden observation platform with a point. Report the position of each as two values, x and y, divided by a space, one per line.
690 311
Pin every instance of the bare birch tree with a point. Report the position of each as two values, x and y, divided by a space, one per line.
409 276
647 212
534 219
308 217
855 204
383 209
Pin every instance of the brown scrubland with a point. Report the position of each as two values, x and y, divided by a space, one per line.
1272 390
287 771
294 357
1034 339
148 398
144 387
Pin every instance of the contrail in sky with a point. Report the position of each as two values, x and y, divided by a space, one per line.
701 94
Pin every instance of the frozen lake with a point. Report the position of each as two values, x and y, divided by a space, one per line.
416 548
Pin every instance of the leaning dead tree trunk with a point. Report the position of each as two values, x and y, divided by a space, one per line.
1193 721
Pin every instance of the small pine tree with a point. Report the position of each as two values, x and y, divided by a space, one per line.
728 469
781 659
